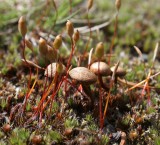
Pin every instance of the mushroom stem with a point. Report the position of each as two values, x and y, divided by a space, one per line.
102 83
88 93
101 69
84 77
100 79
115 82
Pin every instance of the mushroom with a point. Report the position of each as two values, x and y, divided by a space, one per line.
84 77
120 72
101 69
52 68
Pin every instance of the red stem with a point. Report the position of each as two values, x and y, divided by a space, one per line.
52 27
54 90
70 2
30 73
100 108
100 100
90 32
40 107
68 64
114 36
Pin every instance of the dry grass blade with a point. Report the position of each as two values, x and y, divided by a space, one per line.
140 83
114 72
128 83
35 81
100 26
90 56
155 52
135 86
146 85
33 64
139 52
158 73
149 74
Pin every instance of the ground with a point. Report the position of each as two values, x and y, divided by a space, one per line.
56 113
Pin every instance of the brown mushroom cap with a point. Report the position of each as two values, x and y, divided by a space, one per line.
120 71
51 70
83 75
104 69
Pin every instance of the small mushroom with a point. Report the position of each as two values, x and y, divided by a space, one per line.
52 68
120 72
101 69
84 77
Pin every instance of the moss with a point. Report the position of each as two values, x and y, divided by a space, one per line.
52 136
1 134
104 140
71 123
157 140
150 110
3 103
19 136
55 107
4 70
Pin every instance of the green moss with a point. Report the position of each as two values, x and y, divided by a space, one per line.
19 136
130 76
28 107
3 102
157 140
52 136
1 134
2 142
126 120
150 110
71 123
89 118
55 107
104 140
90 123
4 70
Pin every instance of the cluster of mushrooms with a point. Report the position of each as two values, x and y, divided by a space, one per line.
86 76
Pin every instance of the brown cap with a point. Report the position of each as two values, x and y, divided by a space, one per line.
51 70
120 71
83 75
104 69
